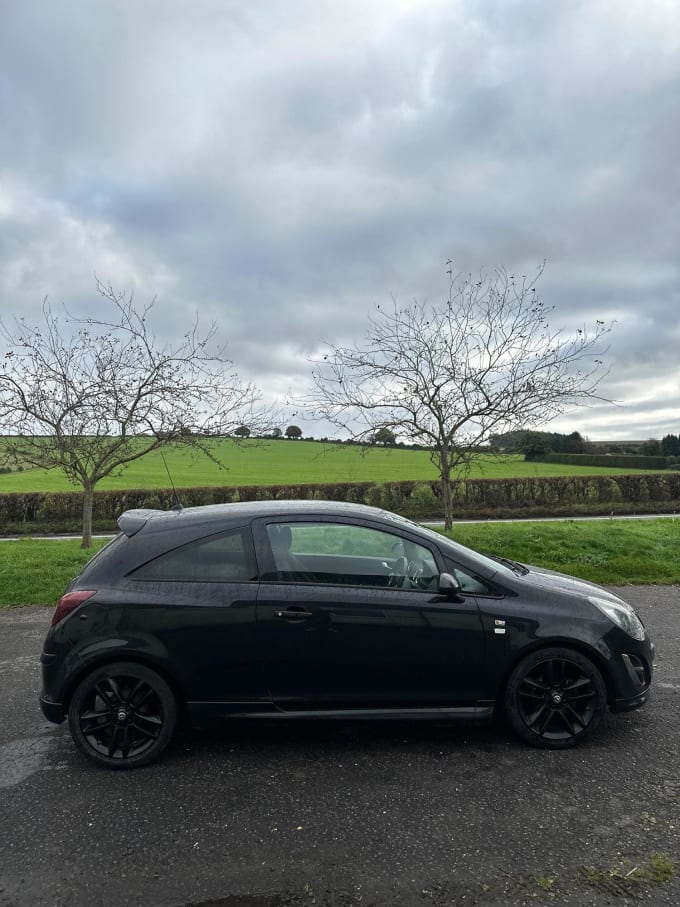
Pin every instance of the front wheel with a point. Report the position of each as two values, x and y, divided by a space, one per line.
122 715
555 698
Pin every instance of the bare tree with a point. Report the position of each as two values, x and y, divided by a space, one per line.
450 375
89 396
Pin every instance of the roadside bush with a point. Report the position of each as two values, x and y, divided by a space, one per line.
50 512
423 501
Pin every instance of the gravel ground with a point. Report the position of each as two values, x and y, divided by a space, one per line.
342 814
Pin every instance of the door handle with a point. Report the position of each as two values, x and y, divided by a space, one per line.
294 614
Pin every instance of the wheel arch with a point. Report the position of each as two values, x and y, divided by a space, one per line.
131 657
583 648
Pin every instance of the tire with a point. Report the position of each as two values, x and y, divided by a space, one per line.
555 698
122 715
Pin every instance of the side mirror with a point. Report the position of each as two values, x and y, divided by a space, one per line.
448 585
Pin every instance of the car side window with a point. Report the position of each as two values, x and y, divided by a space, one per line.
348 555
469 583
225 558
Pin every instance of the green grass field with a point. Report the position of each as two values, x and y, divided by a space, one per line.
283 462
614 552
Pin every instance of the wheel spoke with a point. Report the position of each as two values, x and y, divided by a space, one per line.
530 694
575 715
93 715
581 681
565 721
580 697
546 721
531 682
126 745
141 686
581 688
532 720
145 732
97 727
106 693
113 741
563 679
550 673
150 719
108 689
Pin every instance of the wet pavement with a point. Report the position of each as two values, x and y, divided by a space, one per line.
343 814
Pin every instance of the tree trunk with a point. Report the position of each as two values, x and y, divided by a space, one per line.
88 501
447 497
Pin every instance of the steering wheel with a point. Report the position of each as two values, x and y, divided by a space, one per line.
417 576
414 571
398 572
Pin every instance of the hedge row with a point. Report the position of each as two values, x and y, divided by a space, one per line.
474 498
617 461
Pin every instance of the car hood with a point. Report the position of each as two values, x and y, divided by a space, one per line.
562 582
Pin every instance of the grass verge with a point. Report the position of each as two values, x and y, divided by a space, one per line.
37 571
612 552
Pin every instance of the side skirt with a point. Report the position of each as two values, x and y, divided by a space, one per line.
202 712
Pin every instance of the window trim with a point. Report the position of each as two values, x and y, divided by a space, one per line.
494 590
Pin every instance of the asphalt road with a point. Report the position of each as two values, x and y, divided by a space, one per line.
341 814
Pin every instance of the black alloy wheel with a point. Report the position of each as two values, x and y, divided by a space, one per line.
122 715
555 698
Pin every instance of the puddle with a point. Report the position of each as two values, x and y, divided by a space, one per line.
20 663
20 759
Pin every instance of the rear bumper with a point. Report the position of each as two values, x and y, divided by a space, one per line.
50 695
53 711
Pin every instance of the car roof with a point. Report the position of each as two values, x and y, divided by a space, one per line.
132 521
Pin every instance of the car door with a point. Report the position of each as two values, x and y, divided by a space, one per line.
349 617
195 613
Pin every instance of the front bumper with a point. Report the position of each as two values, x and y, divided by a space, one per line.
636 702
635 679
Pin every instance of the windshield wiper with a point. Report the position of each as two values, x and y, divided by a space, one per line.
513 565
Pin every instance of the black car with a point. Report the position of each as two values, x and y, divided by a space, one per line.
315 609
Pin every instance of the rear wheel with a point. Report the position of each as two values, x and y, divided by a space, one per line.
555 698
122 715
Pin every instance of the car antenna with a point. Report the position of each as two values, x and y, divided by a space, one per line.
177 506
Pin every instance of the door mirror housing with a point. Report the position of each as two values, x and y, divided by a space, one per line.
449 585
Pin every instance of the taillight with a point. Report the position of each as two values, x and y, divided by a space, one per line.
70 602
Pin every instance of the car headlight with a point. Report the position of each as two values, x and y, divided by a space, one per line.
621 614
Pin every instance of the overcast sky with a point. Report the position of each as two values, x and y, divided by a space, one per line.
283 165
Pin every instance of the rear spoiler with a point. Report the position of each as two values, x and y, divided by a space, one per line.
132 521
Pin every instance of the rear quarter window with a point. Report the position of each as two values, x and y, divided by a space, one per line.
110 550
224 558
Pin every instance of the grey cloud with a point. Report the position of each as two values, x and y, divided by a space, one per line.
282 170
